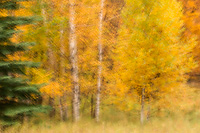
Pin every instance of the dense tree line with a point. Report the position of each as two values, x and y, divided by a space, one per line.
130 53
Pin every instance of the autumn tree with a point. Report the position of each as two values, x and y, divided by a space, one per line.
151 57
74 60
100 48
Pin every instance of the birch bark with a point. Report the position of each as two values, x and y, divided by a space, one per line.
100 49
74 60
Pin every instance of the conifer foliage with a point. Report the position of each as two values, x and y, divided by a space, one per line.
17 96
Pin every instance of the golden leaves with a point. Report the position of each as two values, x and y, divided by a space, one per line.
52 89
152 55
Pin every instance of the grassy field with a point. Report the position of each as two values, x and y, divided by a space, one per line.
88 126
154 125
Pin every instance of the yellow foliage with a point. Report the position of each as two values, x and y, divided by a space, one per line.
52 89
151 53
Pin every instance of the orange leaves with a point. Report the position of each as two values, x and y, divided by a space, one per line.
25 10
191 20
52 89
191 3
18 56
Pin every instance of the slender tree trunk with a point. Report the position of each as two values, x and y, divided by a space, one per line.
92 107
61 108
74 61
51 67
53 111
149 110
99 79
65 108
50 56
142 106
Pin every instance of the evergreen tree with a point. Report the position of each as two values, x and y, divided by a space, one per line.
16 93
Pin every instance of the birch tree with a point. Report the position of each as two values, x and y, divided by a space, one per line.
74 60
100 48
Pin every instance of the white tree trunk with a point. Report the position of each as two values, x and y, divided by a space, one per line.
100 49
142 106
73 59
